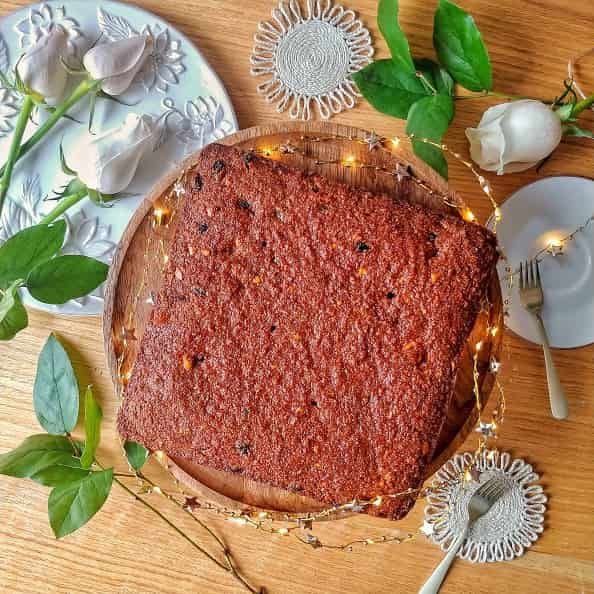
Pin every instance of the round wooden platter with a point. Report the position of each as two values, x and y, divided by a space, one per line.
123 307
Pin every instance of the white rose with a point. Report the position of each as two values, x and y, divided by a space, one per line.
41 68
108 162
514 136
116 63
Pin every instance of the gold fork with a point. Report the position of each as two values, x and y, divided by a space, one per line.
532 298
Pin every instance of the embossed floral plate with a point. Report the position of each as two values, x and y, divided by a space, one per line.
176 85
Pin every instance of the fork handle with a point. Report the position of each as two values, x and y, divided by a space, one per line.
432 585
559 406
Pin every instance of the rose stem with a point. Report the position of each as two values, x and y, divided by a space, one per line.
15 144
485 94
583 104
62 206
83 89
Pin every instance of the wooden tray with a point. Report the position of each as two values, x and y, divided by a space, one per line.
233 491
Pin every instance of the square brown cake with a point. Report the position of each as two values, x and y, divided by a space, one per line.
307 334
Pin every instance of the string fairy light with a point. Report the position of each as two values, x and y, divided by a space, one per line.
162 216
555 247
264 521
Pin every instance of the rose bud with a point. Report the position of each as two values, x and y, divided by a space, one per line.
116 63
514 136
108 162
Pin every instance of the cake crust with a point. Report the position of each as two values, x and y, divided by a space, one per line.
307 334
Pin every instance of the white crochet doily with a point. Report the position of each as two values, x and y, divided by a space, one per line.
513 523
309 58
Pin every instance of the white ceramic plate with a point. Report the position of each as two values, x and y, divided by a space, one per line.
549 209
175 83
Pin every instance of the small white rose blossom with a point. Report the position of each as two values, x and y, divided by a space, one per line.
514 136
108 162
116 63
41 68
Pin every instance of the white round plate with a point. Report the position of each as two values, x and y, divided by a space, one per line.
547 209
176 85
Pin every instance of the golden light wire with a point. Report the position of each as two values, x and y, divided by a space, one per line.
164 213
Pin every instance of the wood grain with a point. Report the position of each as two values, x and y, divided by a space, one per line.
131 270
125 549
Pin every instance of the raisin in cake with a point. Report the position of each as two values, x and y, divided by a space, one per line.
307 333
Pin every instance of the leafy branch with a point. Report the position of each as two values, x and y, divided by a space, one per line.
423 92
80 484
30 259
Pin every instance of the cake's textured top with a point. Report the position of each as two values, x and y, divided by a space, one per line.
307 334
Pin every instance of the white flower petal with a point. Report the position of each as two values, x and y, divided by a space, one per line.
41 68
108 162
533 132
116 63
514 136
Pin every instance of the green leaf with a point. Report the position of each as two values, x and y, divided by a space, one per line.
13 316
136 453
437 75
61 474
28 248
429 118
387 21
45 459
72 506
66 277
573 130
55 393
460 48
390 89
93 416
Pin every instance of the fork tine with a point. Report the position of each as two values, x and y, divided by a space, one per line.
538 283
521 276
486 487
532 282
491 490
496 492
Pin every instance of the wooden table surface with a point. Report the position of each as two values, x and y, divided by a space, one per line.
125 548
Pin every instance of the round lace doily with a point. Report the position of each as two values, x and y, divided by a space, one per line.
513 523
309 58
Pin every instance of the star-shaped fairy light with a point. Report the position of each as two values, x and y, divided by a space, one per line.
313 540
128 334
287 148
472 474
494 366
178 188
555 247
427 529
400 172
487 430
191 503
372 140
355 506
